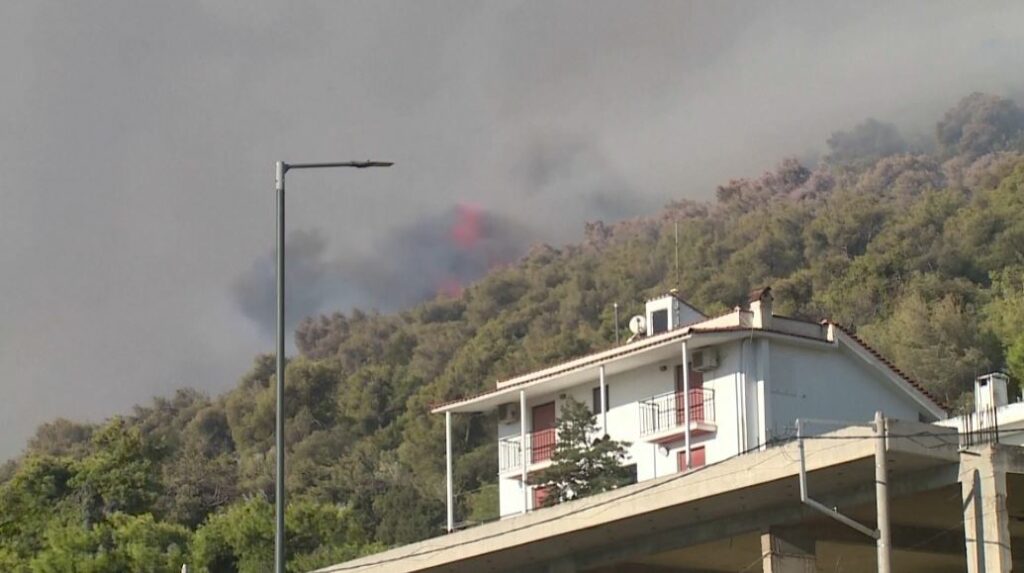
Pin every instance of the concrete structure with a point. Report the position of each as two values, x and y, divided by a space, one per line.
994 419
951 510
750 374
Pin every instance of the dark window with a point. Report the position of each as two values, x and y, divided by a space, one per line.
595 396
631 468
659 321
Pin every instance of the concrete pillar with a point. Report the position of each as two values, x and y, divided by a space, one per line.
449 491
986 522
787 551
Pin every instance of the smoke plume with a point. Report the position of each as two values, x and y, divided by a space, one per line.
437 254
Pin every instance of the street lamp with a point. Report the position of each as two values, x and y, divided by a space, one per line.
282 169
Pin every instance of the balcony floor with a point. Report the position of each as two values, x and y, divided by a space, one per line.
676 433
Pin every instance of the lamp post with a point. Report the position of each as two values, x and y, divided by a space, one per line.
281 170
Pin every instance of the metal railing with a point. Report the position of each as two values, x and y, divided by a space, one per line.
666 411
539 444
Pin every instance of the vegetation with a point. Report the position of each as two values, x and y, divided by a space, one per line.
921 252
584 462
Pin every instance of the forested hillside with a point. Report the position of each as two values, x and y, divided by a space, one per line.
919 247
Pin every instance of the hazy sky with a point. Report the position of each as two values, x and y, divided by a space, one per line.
138 141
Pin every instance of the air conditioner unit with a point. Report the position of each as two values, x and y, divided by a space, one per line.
704 360
508 413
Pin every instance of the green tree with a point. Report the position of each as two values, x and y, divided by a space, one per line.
941 343
240 539
583 463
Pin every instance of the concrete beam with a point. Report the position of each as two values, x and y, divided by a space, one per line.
762 519
920 539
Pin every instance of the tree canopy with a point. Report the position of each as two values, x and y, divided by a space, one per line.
584 461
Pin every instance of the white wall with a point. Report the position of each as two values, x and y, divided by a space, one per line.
726 381
756 380
830 383
626 390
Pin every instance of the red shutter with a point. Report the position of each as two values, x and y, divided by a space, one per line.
696 454
543 437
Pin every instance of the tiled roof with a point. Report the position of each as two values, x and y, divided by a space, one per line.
920 388
603 356
574 364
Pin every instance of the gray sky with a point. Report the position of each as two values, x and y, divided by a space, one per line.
139 137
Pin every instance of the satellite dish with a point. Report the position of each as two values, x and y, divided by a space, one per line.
638 325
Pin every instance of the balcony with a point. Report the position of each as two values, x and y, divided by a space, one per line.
540 446
663 419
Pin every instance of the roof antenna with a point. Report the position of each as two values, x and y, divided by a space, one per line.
677 254
616 306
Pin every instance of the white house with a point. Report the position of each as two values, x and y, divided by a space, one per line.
750 374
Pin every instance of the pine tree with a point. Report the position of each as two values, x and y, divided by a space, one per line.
583 462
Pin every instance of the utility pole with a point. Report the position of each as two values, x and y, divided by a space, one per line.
882 496
281 168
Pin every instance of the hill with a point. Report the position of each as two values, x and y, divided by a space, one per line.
920 250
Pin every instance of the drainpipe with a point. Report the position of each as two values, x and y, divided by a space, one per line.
604 402
524 453
686 406
448 470
741 394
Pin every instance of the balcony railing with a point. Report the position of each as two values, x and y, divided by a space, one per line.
666 412
539 444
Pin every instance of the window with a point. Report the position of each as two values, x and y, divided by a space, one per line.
631 468
541 493
659 321
696 453
595 396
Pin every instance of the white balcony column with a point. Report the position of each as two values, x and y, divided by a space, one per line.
524 456
604 402
450 497
686 408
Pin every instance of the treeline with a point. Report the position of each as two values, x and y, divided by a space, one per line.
917 246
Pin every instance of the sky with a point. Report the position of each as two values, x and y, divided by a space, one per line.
139 138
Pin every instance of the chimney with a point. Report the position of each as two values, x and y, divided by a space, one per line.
761 307
990 392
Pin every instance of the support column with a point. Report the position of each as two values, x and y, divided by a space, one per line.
604 402
787 551
764 410
686 409
986 522
884 542
524 451
450 497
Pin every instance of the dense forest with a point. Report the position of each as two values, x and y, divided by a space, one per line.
918 245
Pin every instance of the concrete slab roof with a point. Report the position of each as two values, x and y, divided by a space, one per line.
629 518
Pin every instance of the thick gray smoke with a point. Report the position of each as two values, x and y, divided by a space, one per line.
139 139
436 254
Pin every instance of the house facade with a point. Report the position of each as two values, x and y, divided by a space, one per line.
748 376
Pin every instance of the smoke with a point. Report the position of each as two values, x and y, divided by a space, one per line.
311 281
166 119
436 254
563 172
